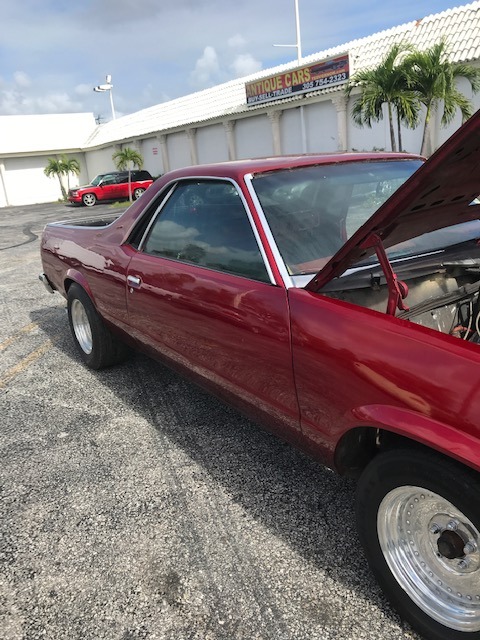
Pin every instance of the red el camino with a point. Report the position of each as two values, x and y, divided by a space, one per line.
335 299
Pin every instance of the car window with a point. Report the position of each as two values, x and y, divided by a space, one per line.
205 223
141 175
109 179
96 181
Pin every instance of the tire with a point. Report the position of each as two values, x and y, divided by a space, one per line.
89 199
138 192
418 518
97 346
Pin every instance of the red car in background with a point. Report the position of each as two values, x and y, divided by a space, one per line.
336 300
111 186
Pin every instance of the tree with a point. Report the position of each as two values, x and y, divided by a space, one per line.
70 165
389 84
127 159
55 167
433 78
62 167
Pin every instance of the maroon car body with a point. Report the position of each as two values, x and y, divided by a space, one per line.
317 342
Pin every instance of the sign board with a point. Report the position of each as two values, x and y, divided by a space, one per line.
319 75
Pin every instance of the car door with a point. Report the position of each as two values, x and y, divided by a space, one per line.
200 293
108 187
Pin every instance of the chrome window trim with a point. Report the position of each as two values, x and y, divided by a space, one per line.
174 186
282 267
169 189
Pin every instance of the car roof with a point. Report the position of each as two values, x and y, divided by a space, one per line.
236 169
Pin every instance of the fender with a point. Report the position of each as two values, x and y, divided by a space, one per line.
76 276
445 438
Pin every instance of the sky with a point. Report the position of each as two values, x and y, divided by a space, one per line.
53 52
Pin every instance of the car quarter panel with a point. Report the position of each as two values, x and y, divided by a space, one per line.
356 367
95 259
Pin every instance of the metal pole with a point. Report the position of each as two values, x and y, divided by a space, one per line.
299 58
111 103
299 40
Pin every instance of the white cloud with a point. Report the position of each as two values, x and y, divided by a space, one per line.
207 68
237 41
83 89
15 102
244 65
21 79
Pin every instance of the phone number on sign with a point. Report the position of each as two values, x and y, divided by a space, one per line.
321 82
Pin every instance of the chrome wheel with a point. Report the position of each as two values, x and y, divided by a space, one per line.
432 550
89 199
137 193
81 326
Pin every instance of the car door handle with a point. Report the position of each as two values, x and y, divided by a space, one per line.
134 281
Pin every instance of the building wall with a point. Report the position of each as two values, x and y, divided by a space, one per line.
212 144
178 150
99 161
321 127
259 133
151 151
26 183
253 137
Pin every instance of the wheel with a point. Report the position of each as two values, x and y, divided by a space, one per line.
138 192
418 519
89 199
97 346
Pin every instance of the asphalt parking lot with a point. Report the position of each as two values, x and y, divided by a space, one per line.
136 507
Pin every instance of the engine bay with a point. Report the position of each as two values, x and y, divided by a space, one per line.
443 296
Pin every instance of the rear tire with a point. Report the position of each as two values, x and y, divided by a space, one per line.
89 199
97 346
418 517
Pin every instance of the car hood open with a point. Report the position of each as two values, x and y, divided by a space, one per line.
439 194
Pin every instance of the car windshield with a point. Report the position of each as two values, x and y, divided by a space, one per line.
96 181
313 210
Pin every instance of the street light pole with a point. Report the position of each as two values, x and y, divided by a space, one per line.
108 86
298 46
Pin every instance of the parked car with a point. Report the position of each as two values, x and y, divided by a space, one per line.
334 299
111 186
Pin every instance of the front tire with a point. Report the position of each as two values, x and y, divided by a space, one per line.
89 199
418 517
97 346
138 192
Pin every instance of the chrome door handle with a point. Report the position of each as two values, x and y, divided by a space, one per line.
134 281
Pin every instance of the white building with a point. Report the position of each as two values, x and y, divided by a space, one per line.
217 124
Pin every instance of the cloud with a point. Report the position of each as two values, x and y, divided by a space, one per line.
21 79
207 68
244 65
13 101
83 89
237 41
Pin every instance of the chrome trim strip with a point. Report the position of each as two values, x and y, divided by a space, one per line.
286 278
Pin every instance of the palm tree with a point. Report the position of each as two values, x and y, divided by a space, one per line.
433 78
387 83
55 167
127 159
70 165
